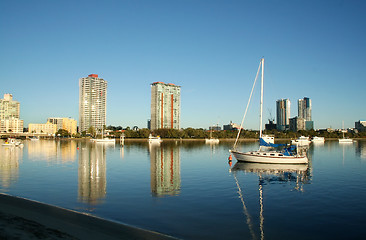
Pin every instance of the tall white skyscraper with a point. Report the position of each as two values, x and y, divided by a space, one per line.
165 106
92 103
304 108
283 114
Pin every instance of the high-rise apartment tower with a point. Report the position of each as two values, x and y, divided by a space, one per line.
304 108
165 105
283 114
9 115
92 103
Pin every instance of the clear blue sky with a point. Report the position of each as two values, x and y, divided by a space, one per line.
211 48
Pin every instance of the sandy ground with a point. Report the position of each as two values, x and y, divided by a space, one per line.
24 219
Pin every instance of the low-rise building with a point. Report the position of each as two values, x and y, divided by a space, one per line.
46 128
309 125
297 123
67 124
270 125
231 126
360 126
214 128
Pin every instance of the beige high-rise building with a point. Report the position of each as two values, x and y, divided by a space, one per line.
165 106
9 115
67 124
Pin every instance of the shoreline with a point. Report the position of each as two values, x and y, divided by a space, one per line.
21 218
193 139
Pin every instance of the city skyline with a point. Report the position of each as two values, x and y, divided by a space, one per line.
211 49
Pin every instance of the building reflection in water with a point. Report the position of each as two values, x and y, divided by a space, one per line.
164 170
92 173
9 165
361 149
50 150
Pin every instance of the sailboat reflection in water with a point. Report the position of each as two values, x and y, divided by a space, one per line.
269 173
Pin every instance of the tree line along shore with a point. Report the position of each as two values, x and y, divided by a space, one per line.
194 133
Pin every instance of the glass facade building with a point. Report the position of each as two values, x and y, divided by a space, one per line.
165 105
304 111
92 103
304 108
283 114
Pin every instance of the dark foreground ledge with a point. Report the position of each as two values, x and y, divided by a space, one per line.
25 219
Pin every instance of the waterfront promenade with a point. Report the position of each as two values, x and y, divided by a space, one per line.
25 219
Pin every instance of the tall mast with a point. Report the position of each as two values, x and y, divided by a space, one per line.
261 103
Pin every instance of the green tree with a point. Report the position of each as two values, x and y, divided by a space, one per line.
62 133
143 133
91 130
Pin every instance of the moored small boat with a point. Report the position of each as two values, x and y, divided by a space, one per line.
345 140
301 141
103 140
212 140
153 139
12 142
317 139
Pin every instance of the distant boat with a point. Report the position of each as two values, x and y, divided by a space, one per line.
301 141
153 139
267 152
103 139
12 142
318 139
34 138
344 139
212 139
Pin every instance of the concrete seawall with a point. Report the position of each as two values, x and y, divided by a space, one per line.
25 219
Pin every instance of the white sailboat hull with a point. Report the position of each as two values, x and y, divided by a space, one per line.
318 140
301 141
268 157
104 140
154 139
212 140
345 140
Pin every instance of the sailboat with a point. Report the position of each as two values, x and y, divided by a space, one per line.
344 139
153 139
103 139
211 140
267 152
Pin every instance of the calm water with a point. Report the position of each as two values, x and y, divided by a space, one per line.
188 190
